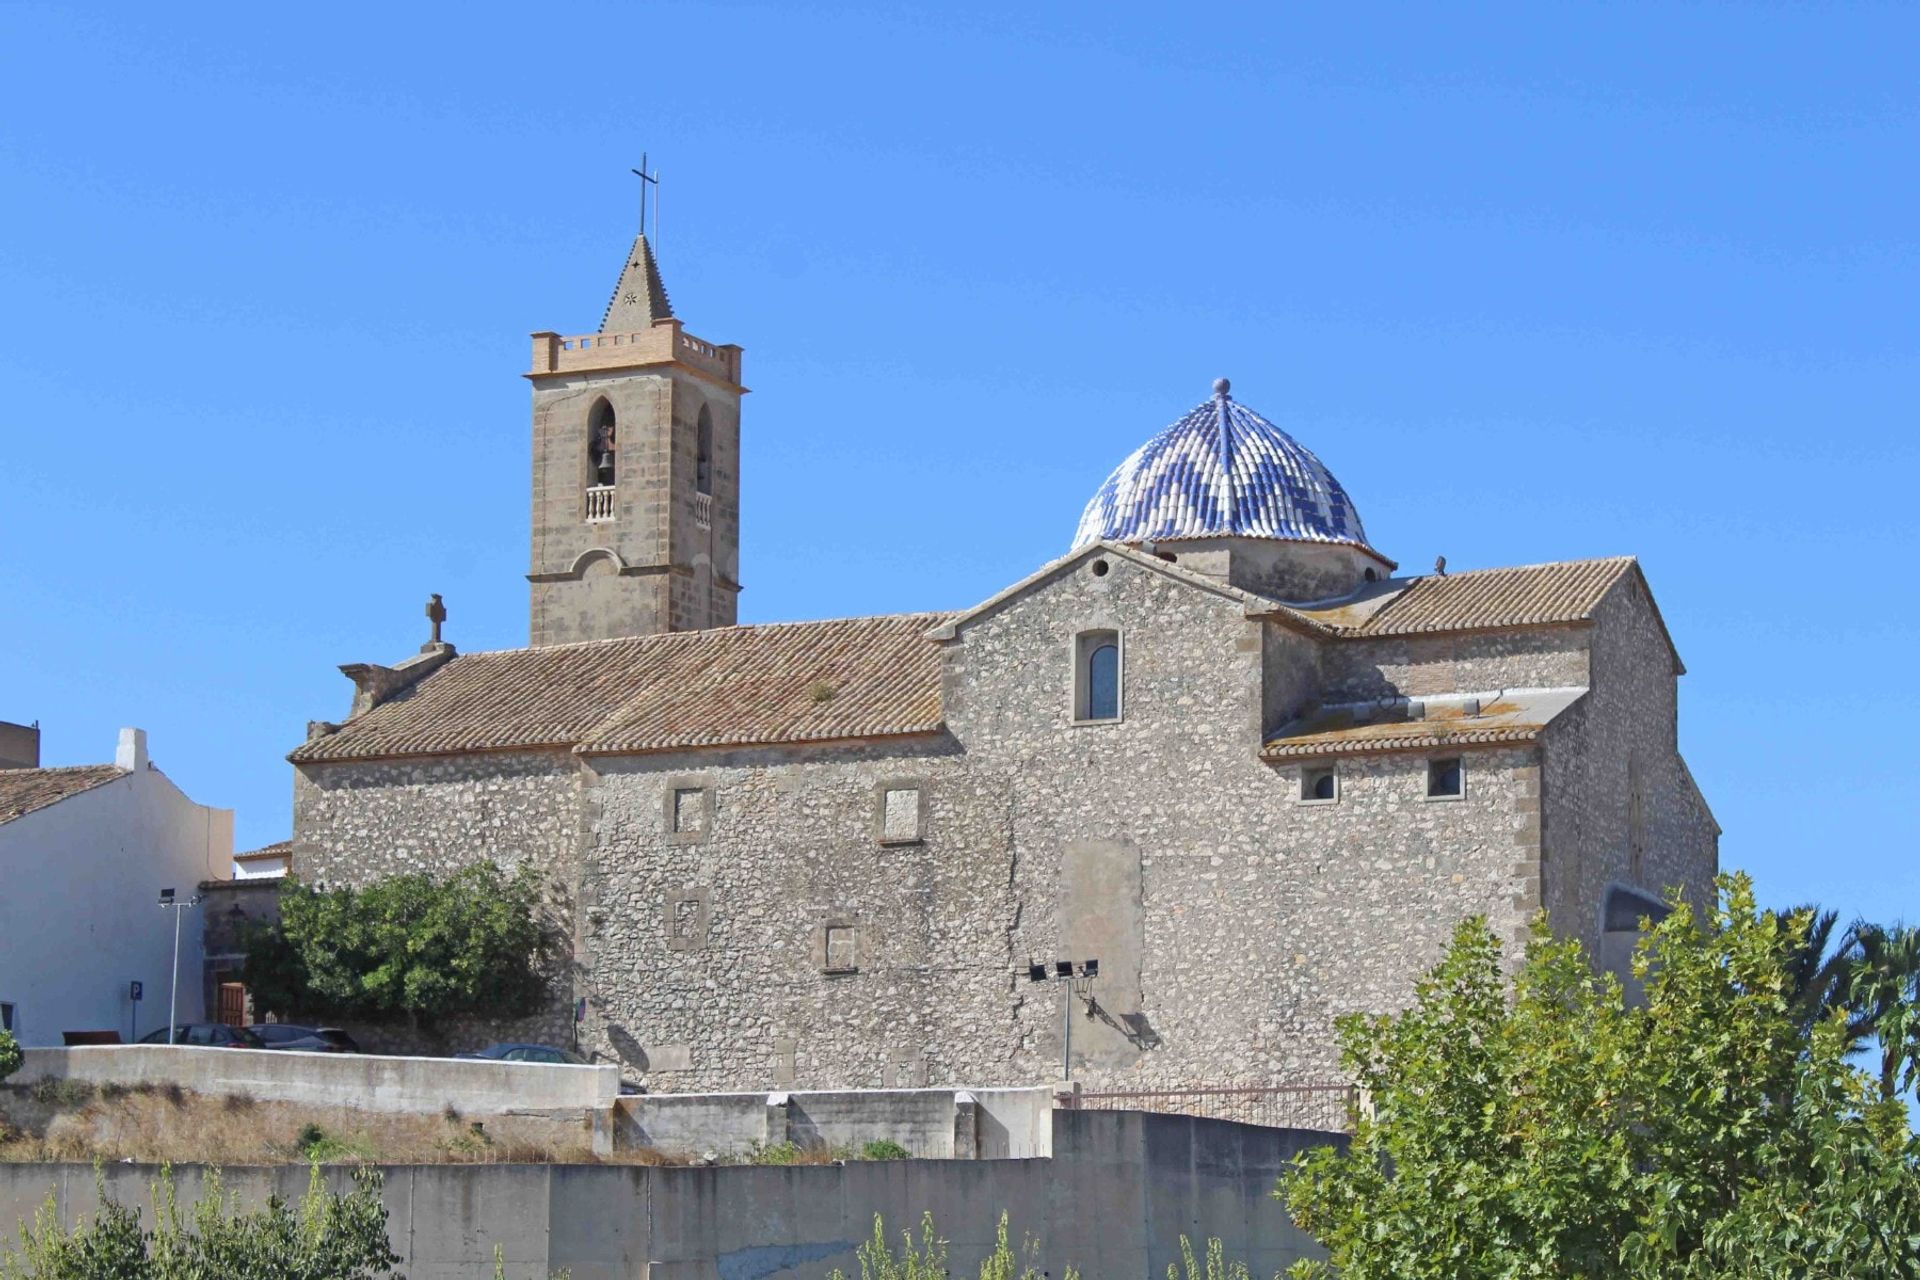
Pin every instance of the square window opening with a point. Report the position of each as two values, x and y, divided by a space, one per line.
1319 784
1446 778
840 949
689 811
900 815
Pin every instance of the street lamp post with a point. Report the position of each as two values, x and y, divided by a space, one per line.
1078 977
169 902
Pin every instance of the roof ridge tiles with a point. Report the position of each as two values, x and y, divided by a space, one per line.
929 615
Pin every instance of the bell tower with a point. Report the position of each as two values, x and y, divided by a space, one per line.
636 471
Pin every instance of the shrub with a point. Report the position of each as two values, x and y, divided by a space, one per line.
317 1146
778 1153
61 1092
884 1149
408 946
1552 1128
328 1236
926 1258
10 1055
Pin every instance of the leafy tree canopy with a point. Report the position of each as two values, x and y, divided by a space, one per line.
408 946
1553 1130
10 1056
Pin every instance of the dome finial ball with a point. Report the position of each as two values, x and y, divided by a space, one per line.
1221 386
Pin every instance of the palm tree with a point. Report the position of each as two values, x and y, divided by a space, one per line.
1819 970
1883 991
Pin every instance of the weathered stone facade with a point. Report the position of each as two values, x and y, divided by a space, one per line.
825 854
636 475
747 917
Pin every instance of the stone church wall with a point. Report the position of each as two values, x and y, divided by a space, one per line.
779 941
355 822
1232 922
840 916
1422 665
1621 737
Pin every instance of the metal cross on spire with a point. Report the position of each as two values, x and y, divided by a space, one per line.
648 177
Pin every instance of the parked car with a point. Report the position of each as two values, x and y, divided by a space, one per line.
510 1052
207 1035
288 1035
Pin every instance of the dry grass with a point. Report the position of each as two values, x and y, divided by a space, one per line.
173 1124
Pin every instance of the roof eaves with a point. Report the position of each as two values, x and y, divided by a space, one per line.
418 753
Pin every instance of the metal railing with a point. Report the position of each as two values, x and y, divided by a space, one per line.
1329 1108
600 503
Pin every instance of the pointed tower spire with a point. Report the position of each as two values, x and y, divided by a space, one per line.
639 298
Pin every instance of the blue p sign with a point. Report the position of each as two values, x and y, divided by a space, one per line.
135 990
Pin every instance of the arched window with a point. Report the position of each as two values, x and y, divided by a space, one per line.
602 444
1097 676
703 454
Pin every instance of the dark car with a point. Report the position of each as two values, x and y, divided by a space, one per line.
288 1035
524 1053
207 1035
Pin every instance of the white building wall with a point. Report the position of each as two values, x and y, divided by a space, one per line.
80 883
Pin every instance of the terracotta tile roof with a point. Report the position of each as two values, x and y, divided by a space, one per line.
1401 725
278 849
24 790
774 683
1477 600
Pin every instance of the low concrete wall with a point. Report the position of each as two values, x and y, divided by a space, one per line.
1113 1200
423 1086
986 1124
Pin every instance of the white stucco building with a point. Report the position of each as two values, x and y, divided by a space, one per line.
85 851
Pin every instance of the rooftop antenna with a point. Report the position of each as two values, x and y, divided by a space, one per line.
648 177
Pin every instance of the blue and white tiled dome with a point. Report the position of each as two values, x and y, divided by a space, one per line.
1221 471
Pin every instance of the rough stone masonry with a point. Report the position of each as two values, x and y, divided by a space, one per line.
1219 747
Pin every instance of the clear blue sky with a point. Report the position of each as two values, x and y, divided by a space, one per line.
1536 282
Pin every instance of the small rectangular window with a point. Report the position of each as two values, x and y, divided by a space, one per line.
6 1015
689 810
1446 778
1319 784
840 949
901 816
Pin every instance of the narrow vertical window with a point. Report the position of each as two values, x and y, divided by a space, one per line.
703 457
1096 678
1636 824
1103 681
602 444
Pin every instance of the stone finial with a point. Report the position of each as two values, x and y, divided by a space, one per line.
1440 566
436 614
1221 386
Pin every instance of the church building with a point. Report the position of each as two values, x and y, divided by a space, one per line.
1221 747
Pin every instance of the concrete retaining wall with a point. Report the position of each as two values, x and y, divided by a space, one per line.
1113 1200
982 1124
423 1086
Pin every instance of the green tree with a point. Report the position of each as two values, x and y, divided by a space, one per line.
10 1055
1549 1129
1819 965
408 946
1883 988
